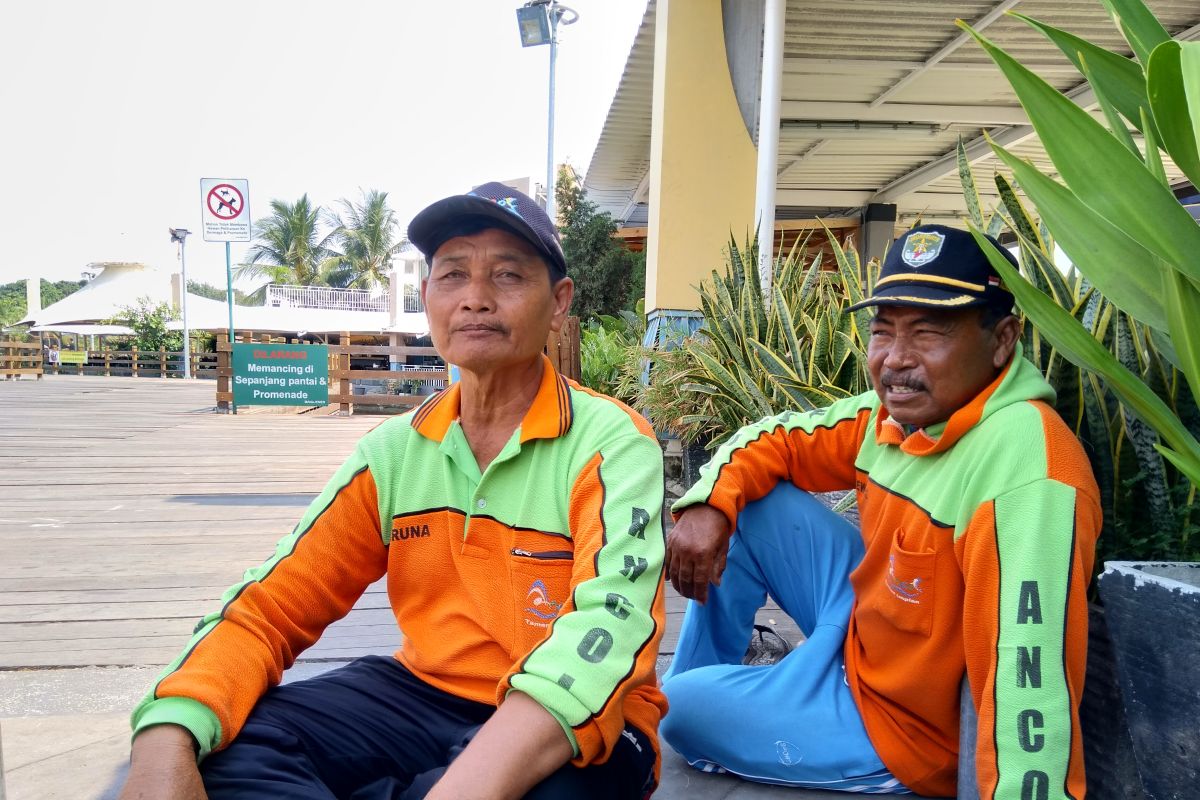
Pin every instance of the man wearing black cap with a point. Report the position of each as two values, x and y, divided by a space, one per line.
979 519
515 517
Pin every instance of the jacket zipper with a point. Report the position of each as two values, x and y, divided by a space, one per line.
548 555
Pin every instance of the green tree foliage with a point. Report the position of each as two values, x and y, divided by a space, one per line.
149 322
367 234
606 344
288 246
12 297
214 293
608 277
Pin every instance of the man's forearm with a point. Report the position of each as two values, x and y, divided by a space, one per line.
515 750
163 765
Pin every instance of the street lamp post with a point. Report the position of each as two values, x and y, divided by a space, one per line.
179 236
538 22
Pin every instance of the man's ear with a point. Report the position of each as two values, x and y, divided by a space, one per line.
564 292
1008 331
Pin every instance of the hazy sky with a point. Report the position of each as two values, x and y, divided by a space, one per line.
113 111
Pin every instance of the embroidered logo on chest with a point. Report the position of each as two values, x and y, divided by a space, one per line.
908 591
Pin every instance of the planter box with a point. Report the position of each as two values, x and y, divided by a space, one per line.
1112 772
1153 614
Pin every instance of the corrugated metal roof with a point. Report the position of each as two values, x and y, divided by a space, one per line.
867 62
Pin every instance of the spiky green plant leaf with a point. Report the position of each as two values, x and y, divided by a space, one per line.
1140 27
1118 78
1171 107
1076 143
1124 270
1073 341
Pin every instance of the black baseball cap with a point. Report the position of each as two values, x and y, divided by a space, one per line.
490 205
935 266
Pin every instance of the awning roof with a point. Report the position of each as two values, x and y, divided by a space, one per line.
875 96
85 330
213 315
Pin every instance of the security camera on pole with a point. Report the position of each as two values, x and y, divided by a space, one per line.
538 22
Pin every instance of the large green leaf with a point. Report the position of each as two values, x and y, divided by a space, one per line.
1100 171
1190 67
1116 124
1073 341
1178 130
1140 27
1183 316
1117 77
1122 269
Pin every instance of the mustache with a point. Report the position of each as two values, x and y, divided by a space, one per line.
890 378
486 326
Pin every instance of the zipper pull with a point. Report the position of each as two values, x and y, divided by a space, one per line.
516 551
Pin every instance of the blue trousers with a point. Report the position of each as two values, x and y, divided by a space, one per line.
794 722
373 731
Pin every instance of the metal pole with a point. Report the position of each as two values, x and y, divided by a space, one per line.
187 333
550 126
768 139
229 300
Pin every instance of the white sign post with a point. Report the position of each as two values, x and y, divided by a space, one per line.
225 217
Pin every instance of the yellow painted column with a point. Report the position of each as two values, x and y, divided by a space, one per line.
702 160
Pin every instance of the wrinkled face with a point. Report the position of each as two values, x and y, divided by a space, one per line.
928 363
490 303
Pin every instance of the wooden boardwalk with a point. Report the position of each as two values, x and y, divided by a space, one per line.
129 507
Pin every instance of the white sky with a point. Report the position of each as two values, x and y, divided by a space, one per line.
112 112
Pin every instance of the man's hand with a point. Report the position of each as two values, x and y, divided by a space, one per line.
696 550
163 766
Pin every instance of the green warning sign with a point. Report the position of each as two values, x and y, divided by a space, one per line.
280 375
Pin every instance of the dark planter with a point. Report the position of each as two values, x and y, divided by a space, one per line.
1153 613
1112 772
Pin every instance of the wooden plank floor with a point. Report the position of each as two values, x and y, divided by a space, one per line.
127 506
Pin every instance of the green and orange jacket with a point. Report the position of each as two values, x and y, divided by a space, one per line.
979 537
541 574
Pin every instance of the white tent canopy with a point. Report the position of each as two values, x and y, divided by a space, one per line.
118 285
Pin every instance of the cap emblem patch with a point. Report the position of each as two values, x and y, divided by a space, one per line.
921 248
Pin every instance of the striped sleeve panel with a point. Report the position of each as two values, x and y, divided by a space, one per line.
1027 560
814 450
280 608
605 642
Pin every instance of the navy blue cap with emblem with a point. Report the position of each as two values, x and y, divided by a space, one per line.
490 205
934 266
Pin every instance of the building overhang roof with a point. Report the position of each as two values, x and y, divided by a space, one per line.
875 98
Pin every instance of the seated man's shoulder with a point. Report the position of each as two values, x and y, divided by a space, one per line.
598 414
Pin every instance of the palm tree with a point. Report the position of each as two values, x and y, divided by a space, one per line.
367 234
288 248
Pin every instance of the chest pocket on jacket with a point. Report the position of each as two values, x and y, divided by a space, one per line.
907 598
541 584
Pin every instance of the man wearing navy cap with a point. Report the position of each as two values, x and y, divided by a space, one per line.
979 519
516 518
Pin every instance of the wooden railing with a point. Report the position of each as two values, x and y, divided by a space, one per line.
562 348
135 363
20 358
343 370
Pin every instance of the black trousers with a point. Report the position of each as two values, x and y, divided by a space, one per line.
372 731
